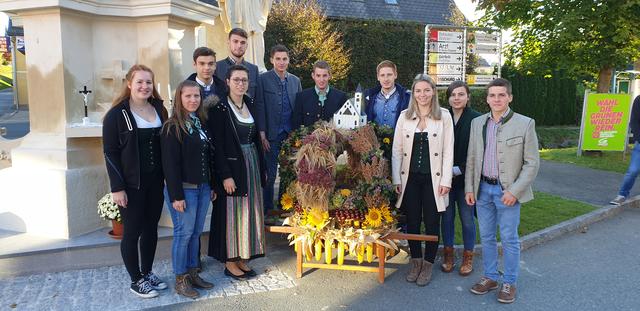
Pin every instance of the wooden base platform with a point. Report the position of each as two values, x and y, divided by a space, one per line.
380 251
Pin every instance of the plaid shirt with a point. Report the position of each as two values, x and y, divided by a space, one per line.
490 162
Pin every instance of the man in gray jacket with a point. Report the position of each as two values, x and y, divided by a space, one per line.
275 98
502 163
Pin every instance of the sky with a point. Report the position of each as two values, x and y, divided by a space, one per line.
468 9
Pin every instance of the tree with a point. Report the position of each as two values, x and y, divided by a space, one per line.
578 36
302 27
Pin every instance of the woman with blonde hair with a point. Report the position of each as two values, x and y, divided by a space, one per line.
131 142
422 163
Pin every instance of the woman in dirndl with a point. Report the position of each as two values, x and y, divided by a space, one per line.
237 223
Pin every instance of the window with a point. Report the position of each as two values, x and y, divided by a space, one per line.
391 1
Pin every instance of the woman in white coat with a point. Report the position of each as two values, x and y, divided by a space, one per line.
422 165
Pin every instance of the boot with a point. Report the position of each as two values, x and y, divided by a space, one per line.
197 281
447 261
184 288
416 265
467 263
425 274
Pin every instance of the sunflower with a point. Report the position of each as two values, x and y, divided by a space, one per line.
374 217
297 143
386 140
345 192
286 201
386 213
317 217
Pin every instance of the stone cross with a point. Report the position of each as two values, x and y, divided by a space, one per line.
114 73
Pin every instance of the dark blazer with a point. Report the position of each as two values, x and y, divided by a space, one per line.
120 144
222 66
182 161
269 101
307 109
229 159
370 98
220 87
461 132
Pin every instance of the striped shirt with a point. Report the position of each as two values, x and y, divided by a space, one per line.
490 162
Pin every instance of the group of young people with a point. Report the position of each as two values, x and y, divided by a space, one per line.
222 142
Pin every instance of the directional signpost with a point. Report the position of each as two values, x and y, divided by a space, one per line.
462 54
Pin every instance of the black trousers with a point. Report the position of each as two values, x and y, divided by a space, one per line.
419 205
140 219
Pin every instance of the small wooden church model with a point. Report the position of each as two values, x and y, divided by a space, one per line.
351 114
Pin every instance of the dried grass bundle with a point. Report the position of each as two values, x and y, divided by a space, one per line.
378 168
364 139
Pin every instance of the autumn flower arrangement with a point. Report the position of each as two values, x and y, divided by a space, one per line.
349 217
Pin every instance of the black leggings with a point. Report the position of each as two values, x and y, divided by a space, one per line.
140 220
419 204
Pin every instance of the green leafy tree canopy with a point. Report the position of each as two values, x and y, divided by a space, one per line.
577 36
302 27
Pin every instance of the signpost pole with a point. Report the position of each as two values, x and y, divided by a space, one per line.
584 113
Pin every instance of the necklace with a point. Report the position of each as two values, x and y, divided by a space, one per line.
239 107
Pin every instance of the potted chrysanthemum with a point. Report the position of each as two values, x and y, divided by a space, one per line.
108 210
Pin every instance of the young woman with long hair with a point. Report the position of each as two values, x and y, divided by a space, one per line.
131 142
187 159
422 163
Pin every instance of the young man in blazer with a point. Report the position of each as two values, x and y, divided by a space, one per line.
204 62
275 98
318 102
237 42
502 163
384 102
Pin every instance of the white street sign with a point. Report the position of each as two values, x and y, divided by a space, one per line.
483 49
442 58
448 36
485 38
445 69
446 79
445 47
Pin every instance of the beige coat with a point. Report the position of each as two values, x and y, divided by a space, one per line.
518 157
440 154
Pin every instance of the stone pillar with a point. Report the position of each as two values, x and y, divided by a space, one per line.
58 171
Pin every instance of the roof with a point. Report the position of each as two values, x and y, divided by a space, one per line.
421 11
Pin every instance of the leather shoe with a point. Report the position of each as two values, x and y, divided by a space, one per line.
251 273
241 277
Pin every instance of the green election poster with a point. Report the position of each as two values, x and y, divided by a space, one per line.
606 121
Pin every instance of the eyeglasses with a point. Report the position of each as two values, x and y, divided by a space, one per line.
240 81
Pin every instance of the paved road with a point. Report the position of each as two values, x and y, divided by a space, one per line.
596 270
579 183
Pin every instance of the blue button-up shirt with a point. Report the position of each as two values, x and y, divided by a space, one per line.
385 107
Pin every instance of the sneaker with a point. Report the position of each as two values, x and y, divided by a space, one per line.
484 286
155 281
507 293
143 289
618 200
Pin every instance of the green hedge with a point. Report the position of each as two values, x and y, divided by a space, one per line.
373 41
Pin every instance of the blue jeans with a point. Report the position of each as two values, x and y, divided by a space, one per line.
632 172
188 226
492 212
456 197
271 158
